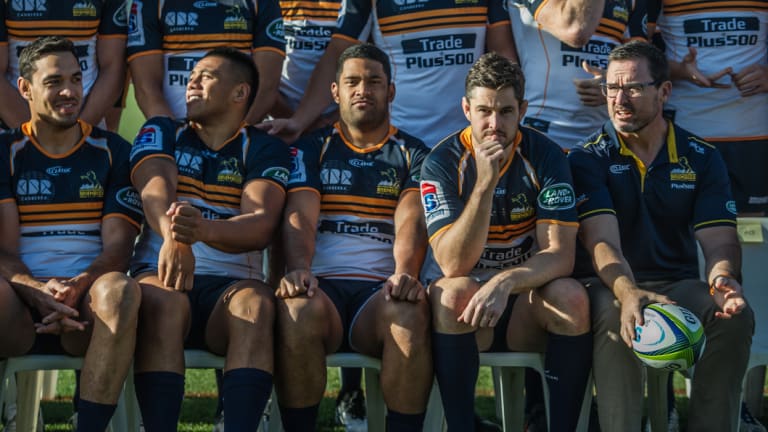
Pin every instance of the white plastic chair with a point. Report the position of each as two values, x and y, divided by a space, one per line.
30 386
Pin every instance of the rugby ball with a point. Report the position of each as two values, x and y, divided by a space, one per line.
672 337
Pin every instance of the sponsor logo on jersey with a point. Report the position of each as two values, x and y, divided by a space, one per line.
432 198
595 53
519 208
149 138
29 8
505 257
379 231
279 174
34 187
190 164
55 171
722 31
336 179
731 207
698 148
129 198
136 25
84 9
204 4
390 184
439 51
229 171
120 17
359 163
276 31
559 196
179 21
298 168
620 13
683 172
619 168
90 186
404 5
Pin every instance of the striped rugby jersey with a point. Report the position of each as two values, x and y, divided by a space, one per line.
62 199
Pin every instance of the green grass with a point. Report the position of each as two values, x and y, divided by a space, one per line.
200 401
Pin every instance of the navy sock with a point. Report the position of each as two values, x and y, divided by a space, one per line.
246 392
220 401
567 365
534 393
76 396
456 365
159 395
299 419
93 416
399 422
350 379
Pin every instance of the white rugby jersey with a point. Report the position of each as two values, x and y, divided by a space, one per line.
732 33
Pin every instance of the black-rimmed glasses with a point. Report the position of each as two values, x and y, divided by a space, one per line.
630 89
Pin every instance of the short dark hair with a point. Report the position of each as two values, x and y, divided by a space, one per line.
40 48
243 67
636 49
364 51
494 71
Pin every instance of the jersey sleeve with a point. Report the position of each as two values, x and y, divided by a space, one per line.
121 198
440 194
714 205
636 27
144 28
155 139
3 28
270 161
305 163
497 12
419 152
355 18
114 18
268 26
590 180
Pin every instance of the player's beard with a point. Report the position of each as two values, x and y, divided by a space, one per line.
366 120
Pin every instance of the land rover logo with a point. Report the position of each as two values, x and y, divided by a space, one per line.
276 31
558 196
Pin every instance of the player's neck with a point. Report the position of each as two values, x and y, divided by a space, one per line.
647 142
55 139
216 134
364 139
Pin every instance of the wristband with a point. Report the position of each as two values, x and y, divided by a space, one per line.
713 286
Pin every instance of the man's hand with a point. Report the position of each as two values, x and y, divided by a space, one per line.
404 287
632 304
69 291
297 282
693 74
176 265
57 317
187 223
751 80
287 130
486 306
589 89
489 155
728 296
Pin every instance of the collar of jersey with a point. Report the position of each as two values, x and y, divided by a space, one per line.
240 129
671 149
466 140
85 128
354 148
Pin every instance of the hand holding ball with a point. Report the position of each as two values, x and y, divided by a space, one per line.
672 337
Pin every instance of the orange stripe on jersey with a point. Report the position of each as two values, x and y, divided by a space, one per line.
208 37
226 190
411 25
356 209
422 27
33 34
682 7
201 46
210 197
7 200
558 222
47 208
756 138
124 217
321 5
362 215
64 24
375 202
479 11
207 199
610 31
26 217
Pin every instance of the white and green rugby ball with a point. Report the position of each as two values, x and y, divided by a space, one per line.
672 337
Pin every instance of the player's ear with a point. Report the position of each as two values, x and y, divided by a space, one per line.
465 107
24 88
335 91
242 91
523 109
391 92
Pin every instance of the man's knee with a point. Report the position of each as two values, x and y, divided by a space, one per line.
14 314
115 296
252 305
301 316
605 309
571 305
448 297
163 312
411 321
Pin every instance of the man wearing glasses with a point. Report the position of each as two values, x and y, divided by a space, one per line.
648 190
